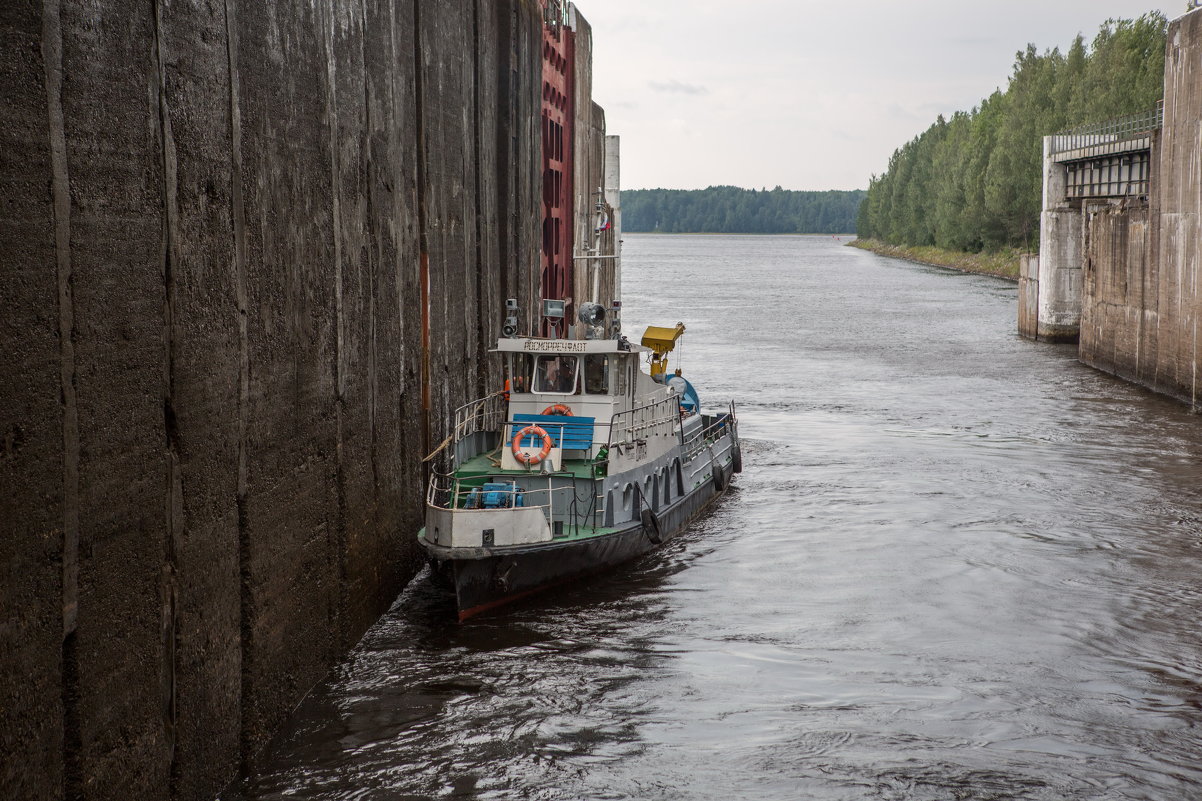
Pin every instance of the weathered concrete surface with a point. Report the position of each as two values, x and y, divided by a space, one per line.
38 441
613 196
209 413
1118 329
1055 313
293 524
1179 197
203 655
118 159
589 177
1142 300
519 212
1028 295
1060 248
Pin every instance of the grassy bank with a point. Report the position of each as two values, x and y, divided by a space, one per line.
1003 264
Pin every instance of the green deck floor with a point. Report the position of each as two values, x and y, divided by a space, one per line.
478 470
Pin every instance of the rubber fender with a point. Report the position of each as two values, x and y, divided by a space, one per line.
719 479
736 460
651 526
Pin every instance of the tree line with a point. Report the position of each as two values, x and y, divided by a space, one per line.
974 182
731 210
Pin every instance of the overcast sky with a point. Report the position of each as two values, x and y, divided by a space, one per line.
808 94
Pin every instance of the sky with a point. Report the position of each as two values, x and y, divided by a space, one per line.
806 94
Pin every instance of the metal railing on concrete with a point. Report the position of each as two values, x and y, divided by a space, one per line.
1132 132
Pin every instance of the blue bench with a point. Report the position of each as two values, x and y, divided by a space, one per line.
569 433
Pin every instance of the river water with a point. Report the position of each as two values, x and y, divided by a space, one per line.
958 565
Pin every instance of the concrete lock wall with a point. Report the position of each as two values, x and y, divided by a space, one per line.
1125 274
1178 220
1118 329
590 187
588 175
590 179
1141 298
218 218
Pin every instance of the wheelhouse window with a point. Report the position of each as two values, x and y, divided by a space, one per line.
557 374
596 374
623 373
521 368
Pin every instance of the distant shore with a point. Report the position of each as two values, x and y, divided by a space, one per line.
1004 264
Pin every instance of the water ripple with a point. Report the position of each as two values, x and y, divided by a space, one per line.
957 566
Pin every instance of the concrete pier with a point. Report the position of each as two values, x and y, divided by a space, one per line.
1058 302
1059 297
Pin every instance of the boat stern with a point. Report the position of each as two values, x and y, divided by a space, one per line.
485 528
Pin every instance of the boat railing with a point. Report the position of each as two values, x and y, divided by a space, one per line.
558 503
483 414
490 414
659 416
709 433
480 416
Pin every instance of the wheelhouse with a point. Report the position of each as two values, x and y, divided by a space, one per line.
590 378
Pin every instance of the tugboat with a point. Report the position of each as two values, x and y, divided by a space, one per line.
582 462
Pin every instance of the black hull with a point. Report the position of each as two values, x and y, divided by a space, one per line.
488 578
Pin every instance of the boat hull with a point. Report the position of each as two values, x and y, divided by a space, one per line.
485 578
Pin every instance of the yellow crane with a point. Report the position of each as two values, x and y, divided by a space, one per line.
661 341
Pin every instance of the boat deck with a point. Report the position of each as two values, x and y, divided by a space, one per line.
489 464
486 467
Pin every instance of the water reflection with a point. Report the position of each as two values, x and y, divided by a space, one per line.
958 566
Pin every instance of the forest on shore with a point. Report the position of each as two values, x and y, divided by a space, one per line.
731 210
974 183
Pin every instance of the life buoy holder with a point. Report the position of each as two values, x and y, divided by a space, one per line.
558 408
526 458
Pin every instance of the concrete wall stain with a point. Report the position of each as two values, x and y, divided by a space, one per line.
216 217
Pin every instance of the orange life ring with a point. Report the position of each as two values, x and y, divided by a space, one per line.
526 458
558 408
